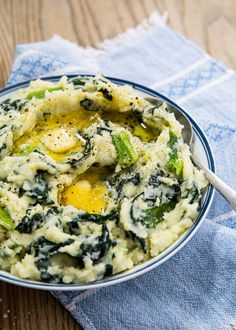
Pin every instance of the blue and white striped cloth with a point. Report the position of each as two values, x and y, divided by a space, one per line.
196 289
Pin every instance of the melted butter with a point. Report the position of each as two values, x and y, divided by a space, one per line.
145 133
132 122
59 140
89 193
128 120
71 122
33 141
79 119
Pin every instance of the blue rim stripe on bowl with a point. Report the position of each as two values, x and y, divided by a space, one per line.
169 252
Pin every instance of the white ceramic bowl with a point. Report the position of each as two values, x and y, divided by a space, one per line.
203 151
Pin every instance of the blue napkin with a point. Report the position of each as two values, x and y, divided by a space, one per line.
195 289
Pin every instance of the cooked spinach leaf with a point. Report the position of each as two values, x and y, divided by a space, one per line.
108 270
29 225
3 147
73 227
98 218
38 190
144 210
118 181
78 82
43 251
44 247
74 160
53 210
9 105
105 92
151 217
55 279
194 194
140 241
98 248
154 181
89 105
3 129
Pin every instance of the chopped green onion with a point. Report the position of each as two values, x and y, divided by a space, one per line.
172 140
125 151
26 150
6 220
41 93
174 164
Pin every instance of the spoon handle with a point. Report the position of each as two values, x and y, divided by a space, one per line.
228 193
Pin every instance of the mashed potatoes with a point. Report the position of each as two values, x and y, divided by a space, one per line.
93 180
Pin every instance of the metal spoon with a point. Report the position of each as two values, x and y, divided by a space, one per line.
188 135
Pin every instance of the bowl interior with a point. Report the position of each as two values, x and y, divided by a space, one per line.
204 153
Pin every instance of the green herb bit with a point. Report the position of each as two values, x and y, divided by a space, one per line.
174 164
41 93
16 248
6 220
125 151
154 215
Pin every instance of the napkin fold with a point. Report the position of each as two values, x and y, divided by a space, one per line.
195 289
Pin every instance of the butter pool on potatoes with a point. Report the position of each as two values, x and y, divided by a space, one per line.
93 180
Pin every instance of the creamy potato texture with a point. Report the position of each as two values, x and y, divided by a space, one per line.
93 180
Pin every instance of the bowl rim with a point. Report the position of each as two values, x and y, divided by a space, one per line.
166 254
